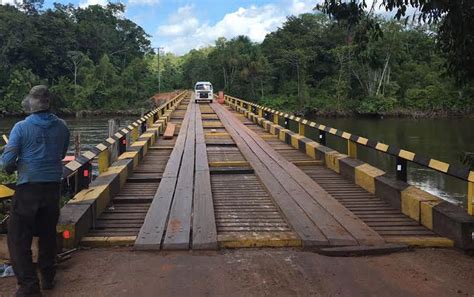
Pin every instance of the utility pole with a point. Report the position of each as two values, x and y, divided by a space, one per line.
159 74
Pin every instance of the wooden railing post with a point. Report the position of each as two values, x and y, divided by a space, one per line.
352 149
322 137
301 128
401 169
470 198
287 123
84 176
275 119
260 112
103 161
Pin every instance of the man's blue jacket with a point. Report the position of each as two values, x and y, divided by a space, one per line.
36 148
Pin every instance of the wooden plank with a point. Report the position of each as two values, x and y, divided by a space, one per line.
297 218
178 229
356 227
154 226
204 222
169 132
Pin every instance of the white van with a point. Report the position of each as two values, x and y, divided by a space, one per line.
203 91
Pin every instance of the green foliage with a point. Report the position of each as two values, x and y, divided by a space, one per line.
313 63
7 178
91 57
455 19
19 84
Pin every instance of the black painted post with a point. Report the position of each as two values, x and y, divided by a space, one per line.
322 137
401 169
287 123
143 127
122 145
84 176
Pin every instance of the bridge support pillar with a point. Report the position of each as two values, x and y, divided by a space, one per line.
322 137
470 198
103 161
301 129
352 149
401 169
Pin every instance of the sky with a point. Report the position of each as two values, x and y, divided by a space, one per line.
181 25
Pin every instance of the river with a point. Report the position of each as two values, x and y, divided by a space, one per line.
441 139
92 130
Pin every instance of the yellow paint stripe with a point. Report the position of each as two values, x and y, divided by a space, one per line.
229 164
346 135
406 155
216 134
89 155
252 240
332 131
362 140
308 163
381 147
471 176
6 192
73 165
421 241
438 165
106 241
312 124
322 127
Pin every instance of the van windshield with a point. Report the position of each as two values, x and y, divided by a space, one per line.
201 87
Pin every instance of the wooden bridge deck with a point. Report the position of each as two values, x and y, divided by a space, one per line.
223 181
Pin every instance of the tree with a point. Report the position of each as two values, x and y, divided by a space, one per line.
455 19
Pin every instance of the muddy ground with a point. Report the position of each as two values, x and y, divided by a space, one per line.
261 272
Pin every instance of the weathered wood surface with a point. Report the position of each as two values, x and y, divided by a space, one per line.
339 225
309 233
204 222
179 224
169 132
151 233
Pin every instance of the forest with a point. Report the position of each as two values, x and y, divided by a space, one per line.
94 59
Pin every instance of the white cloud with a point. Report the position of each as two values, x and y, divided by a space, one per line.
143 2
93 2
184 31
181 23
301 6
10 2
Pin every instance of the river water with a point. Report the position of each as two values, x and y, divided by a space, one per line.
442 139
92 130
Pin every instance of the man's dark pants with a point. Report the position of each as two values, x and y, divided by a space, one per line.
35 211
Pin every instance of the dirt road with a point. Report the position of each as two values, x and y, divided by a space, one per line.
261 272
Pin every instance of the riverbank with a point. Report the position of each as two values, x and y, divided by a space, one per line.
81 114
399 113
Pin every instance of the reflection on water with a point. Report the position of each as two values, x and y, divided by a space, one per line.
441 139
92 130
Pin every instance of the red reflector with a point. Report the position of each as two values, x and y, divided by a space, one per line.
66 234
86 173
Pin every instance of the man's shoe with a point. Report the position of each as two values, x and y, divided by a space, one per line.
22 292
47 284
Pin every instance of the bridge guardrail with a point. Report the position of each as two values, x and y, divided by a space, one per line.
77 174
402 156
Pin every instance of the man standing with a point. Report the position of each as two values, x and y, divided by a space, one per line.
36 148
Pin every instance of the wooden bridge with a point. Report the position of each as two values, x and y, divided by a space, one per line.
236 175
